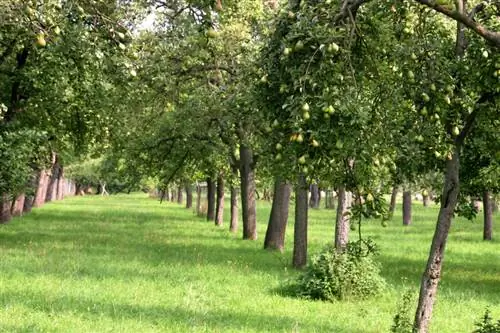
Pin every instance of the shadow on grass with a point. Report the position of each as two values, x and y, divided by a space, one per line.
218 321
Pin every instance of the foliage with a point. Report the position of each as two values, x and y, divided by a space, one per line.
487 324
20 153
334 275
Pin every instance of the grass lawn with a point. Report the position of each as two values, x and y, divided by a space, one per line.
128 264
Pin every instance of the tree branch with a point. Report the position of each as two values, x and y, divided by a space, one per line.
491 36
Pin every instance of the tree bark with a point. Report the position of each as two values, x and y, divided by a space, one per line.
52 180
300 227
41 190
392 205
179 194
406 207
247 178
18 205
198 200
5 209
189 195
314 200
488 216
426 199
233 226
432 273
219 210
210 199
276 228
343 220
61 184
28 204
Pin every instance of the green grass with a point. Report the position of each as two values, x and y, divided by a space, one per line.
128 264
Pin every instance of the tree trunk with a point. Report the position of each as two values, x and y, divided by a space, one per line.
172 195
406 207
432 274
18 205
343 220
179 194
198 200
5 209
28 204
392 205
210 199
219 210
61 184
314 200
51 193
189 195
426 200
41 190
488 216
276 228
233 226
248 208
300 227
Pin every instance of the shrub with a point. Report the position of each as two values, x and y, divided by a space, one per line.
487 325
403 320
334 275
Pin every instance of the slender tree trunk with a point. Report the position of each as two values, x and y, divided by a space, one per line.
488 216
276 228
432 273
248 208
51 193
314 200
210 199
179 194
28 204
300 227
61 182
233 226
41 190
392 205
189 195
18 205
343 220
219 210
406 207
426 200
198 200
5 209
172 195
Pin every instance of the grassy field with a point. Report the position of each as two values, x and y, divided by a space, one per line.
128 264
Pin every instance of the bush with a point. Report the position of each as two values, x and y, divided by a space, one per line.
333 275
403 320
487 325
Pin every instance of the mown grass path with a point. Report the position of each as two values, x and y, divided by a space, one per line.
128 264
